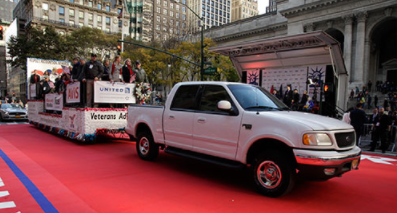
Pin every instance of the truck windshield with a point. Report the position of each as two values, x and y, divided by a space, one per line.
254 98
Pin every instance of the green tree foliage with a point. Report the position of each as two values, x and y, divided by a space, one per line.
48 44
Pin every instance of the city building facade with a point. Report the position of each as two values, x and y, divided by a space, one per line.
242 9
213 13
366 31
6 8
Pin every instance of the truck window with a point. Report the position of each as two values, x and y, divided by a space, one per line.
185 98
210 97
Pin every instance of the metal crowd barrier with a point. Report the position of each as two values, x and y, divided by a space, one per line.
366 135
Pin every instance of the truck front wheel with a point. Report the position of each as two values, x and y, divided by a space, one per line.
273 174
145 146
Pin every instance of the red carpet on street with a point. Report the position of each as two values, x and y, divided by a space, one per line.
43 172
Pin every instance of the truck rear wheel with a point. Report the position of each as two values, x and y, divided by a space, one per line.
145 146
273 174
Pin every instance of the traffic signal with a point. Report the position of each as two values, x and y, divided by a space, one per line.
328 87
1 33
118 49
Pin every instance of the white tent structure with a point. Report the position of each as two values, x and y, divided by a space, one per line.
290 51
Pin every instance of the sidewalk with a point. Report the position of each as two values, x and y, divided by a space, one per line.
365 146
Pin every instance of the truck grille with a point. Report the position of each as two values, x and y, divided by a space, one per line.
345 139
17 113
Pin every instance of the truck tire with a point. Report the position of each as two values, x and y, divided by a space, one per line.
273 173
145 146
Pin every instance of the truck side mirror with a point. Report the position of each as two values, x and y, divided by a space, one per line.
225 106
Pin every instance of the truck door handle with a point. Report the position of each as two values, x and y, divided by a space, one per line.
172 116
201 120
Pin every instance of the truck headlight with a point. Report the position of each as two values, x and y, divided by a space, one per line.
317 139
6 112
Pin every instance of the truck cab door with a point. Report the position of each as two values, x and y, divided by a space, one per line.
216 132
178 117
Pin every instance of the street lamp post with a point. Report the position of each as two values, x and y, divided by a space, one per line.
202 40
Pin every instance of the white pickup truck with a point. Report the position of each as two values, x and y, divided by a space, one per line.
235 124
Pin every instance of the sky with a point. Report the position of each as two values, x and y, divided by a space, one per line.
262 4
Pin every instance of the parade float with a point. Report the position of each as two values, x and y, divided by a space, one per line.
60 113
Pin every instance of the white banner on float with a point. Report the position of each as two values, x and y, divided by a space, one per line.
54 101
33 90
118 93
296 76
73 93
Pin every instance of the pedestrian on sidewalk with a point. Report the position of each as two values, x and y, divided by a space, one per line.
357 120
376 101
369 100
382 127
369 85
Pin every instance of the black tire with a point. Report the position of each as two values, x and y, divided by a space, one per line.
145 146
280 175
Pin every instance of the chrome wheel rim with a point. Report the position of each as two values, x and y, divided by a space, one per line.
269 174
144 146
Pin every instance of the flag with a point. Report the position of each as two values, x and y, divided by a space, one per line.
120 14
281 91
271 90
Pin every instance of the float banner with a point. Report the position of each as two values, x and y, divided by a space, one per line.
73 93
73 120
120 93
33 90
316 72
54 101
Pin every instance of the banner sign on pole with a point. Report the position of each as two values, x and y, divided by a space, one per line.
33 90
54 101
117 92
73 93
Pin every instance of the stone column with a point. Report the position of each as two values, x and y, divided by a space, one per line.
347 49
360 46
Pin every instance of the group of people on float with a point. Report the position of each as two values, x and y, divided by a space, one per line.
87 72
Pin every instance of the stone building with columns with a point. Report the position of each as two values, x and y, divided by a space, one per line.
366 31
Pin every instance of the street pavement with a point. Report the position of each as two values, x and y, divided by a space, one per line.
42 172
13 122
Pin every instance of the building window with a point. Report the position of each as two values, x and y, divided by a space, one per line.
171 5
177 23
81 14
81 25
158 10
71 1
158 2
62 20
184 9
90 3
61 11
184 17
165 36
170 31
177 7
165 3
164 21
158 18
107 20
107 30
99 28
71 12
81 2
90 16
90 25
99 6
45 17
71 23
119 11
164 29
164 11
99 18
120 23
177 15
158 27
171 22
107 8
45 6
171 14
183 1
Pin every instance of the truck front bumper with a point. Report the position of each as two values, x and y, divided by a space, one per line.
317 164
